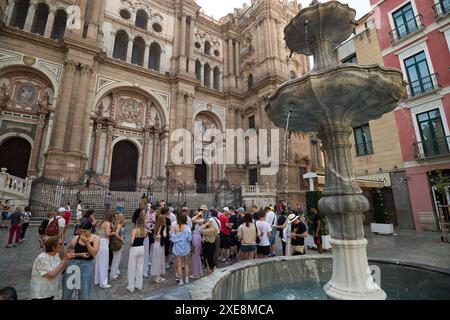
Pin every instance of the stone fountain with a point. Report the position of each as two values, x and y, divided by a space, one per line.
331 100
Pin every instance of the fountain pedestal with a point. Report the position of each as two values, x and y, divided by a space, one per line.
344 204
331 100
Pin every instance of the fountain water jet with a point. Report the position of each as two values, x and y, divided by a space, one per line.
332 99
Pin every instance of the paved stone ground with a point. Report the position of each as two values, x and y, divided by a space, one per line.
16 263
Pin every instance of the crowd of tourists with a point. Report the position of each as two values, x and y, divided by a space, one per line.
189 243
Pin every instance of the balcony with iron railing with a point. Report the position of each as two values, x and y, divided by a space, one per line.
412 26
432 148
424 85
441 9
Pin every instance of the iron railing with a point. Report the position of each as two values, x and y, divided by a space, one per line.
411 26
423 85
441 9
431 148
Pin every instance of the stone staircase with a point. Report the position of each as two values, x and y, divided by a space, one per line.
14 189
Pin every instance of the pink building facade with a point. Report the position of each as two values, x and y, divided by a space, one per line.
415 37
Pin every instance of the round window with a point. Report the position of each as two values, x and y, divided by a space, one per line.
125 14
216 53
157 27
198 45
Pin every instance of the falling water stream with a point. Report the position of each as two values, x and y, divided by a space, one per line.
286 155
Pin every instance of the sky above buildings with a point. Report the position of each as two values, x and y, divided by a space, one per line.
220 8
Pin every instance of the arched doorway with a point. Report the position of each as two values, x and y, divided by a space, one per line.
201 177
15 156
124 167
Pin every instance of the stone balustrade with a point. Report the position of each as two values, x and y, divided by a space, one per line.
257 189
14 185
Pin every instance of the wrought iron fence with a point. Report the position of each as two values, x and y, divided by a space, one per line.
47 194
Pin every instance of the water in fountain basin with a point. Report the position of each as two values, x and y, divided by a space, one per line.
314 291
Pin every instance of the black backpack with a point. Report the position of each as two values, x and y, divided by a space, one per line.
43 227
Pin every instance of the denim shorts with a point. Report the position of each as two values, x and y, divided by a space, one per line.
5 215
248 248
272 238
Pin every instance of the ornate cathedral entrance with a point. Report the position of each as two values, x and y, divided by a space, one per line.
201 177
124 167
15 156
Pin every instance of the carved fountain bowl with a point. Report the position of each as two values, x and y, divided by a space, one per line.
307 27
350 93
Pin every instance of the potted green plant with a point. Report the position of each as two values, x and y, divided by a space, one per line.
382 218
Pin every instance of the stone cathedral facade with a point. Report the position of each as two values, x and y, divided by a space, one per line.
98 98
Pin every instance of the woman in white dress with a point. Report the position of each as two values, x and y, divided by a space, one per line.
160 236
102 258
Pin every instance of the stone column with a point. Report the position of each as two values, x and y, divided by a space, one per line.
182 58
231 56
166 149
202 75
108 155
226 59
37 146
113 102
98 135
191 46
94 19
275 38
189 113
62 110
344 204
149 156
50 22
76 133
268 29
30 17
211 78
181 106
144 173
259 49
155 163
146 55
9 11
176 43
237 58
130 50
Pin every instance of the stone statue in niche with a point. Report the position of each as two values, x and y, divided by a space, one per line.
43 104
156 123
100 111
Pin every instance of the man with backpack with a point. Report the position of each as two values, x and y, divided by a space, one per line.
56 225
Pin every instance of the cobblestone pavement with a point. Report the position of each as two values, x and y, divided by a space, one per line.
16 263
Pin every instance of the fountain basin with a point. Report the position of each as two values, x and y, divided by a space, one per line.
303 277
352 93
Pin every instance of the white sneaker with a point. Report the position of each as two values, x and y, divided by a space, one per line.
186 280
145 275
105 286
167 265
180 283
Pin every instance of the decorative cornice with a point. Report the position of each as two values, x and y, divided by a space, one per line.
30 38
